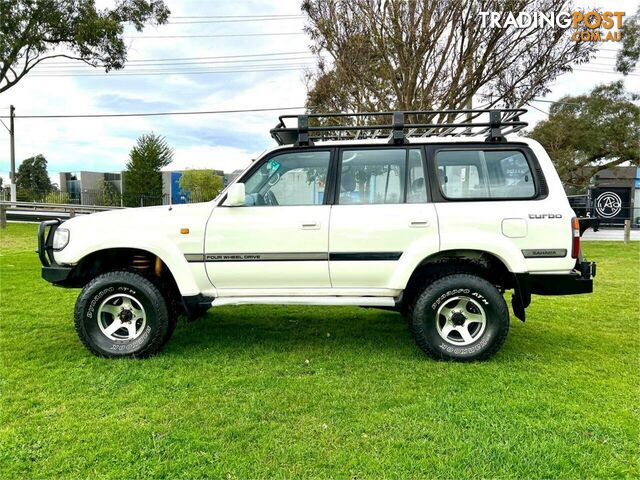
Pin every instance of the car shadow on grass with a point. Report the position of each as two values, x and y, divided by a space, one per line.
286 328
264 329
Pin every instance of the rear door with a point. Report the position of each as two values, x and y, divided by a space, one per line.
381 208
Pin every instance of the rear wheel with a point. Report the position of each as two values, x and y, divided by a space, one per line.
122 314
459 317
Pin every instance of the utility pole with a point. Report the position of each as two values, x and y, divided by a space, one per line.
12 131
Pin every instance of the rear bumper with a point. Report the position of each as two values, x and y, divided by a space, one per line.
580 280
567 284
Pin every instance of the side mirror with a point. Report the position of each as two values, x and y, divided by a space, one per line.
235 195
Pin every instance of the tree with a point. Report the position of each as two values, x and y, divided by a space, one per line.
426 54
588 133
628 56
32 178
202 185
142 179
108 194
32 31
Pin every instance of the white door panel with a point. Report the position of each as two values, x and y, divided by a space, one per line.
268 247
362 233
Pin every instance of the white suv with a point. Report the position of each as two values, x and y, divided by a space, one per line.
435 220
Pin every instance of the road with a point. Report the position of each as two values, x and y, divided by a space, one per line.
613 234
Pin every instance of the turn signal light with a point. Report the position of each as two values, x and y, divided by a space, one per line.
184 231
575 231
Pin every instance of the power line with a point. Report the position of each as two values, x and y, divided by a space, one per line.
610 72
158 114
239 16
68 61
217 35
538 109
296 17
256 61
158 72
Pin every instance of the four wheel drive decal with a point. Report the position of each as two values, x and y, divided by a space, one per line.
292 257
545 253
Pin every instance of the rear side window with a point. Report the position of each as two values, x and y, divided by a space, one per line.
484 174
383 175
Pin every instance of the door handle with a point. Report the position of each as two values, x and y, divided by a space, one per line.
310 226
419 223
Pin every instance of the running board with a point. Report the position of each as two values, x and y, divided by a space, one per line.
336 301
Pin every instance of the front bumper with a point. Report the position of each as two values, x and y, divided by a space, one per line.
51 271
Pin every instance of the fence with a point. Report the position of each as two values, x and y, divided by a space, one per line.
584 206
99 198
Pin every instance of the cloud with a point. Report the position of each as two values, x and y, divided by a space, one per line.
216 141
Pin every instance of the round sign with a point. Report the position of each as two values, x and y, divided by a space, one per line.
608 204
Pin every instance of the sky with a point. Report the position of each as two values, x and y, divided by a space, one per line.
227 141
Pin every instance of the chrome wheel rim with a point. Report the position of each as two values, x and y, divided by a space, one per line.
461 320
121 317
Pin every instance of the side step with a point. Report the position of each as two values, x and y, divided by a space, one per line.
354 301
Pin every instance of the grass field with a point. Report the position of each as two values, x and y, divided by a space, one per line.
321 392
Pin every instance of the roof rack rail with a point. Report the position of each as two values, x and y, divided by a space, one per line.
398 127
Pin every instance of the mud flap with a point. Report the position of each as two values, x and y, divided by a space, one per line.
521 298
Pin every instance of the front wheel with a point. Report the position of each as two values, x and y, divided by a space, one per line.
459 317
122 314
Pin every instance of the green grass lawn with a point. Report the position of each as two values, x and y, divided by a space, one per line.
321 392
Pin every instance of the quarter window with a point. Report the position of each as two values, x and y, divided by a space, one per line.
483 174
296 178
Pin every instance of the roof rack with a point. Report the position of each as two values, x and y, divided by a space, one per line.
398 127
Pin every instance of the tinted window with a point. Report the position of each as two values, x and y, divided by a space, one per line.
296 178
484 174
372 176
381 175
416 185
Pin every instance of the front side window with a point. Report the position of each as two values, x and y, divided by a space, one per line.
296 178
484 174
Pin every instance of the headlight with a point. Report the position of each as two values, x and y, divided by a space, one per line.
60 238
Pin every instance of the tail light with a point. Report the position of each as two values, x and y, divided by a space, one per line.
575 232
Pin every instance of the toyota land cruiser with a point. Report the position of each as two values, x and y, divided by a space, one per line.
421 212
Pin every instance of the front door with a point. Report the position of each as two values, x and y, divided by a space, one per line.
279 239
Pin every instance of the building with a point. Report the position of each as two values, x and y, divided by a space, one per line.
85 187
171 186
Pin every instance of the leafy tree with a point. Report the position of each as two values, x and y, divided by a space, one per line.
588 133
142 179
628 56
202 185
423 54
32 31
32 178
56 196
108 194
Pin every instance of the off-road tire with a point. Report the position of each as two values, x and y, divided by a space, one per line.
156 332
424 308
